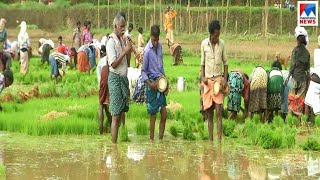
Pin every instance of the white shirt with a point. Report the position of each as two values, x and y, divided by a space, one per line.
102 62
104 41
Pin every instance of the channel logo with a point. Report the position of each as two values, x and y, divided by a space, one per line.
307 13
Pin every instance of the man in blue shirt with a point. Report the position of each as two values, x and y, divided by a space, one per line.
152 69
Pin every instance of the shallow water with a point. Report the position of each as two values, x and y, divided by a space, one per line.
93 157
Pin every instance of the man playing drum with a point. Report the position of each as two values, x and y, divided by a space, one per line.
213 55
152 71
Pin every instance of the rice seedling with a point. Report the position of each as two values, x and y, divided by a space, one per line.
292 120
317 121
311 145
141 128
278 121
123 134
304 119
188 134
173 130
267 138
256 119
228 127
2 171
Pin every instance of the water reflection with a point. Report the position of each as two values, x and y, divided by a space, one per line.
90 158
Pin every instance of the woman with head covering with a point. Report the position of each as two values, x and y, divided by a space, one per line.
299 70
258 92
83 62
44 50
24 44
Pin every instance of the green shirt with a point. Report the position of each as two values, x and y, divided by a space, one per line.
300 63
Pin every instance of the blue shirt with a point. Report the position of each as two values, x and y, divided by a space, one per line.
152 62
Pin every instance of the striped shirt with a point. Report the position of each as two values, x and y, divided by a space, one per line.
61 59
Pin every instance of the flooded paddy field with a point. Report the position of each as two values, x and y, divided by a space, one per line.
94 157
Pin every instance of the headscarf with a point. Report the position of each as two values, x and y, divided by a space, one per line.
42 40
2 24
301 31
50 42
23 27
23 37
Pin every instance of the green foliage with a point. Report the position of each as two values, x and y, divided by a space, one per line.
256 119
278 121
2 171
304 119
249 129
174 131
317 121
141 128
123 134
188 134
311 144
228 127
267 138
292 120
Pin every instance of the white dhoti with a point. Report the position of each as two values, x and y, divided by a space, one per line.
313 97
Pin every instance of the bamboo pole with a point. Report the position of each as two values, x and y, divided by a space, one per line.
266 18
198 16
128 15
227 14
280 17
189 14
175 19
180 18
145 14
160 15
222 18
236 27
132 11
154 11
250 17
99 14
207 14
108 13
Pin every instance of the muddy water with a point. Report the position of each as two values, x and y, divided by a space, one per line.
93 157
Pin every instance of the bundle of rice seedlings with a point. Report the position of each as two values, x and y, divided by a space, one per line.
228 127
7 97
292 120
311 144
173 131
123 134
174 106
267 138
256 118
304 119
317 121
53 115
278 121
188 134
141 128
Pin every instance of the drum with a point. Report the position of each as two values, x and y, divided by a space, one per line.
162 83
